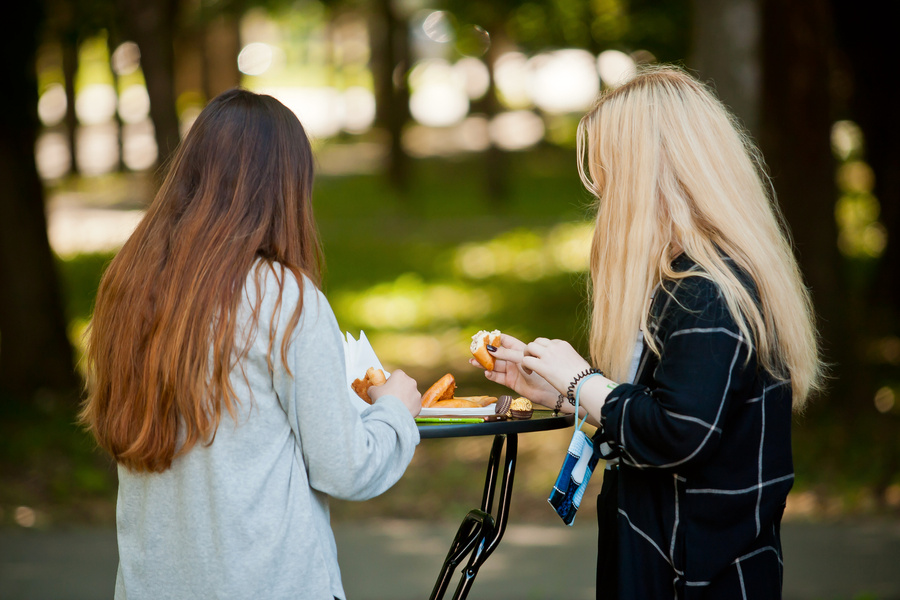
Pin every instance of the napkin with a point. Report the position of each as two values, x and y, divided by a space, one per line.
358 357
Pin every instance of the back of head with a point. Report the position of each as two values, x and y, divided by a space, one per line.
238 190
674 172
246 168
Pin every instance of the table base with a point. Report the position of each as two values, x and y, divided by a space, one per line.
481 530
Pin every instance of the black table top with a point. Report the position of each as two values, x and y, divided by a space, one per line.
541 420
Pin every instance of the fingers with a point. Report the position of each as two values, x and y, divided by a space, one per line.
508 341
529 363
502 353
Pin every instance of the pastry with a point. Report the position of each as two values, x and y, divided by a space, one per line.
372 377
442 389
478 400
455 403
478 347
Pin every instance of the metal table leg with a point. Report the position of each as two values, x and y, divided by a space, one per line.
481 530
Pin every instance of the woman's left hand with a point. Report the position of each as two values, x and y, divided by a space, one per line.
554 360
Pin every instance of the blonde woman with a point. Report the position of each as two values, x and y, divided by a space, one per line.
702 343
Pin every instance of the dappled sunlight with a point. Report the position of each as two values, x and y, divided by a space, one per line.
563 81
615 67
98 148
73 230
96 104
52 105
413 350
409 302
526 254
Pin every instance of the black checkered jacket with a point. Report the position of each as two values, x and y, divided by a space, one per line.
704 446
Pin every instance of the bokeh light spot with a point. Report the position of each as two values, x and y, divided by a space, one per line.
884 400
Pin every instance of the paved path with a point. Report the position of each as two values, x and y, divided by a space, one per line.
398 560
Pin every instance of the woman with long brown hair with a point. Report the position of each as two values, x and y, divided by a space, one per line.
216 375
702 343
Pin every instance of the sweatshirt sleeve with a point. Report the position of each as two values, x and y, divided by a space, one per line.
679 419
347 454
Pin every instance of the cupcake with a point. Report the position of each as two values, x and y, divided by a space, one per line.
521 408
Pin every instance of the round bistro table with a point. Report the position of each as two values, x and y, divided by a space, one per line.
481 528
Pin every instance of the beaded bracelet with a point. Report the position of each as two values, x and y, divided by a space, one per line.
559 402
570 393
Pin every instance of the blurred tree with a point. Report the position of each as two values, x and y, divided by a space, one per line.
495 19
69 23
648 29
771 63
726 53
866 46
390 62
797 48
151 24
35 354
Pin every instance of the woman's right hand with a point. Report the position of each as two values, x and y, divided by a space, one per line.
508 371
402 386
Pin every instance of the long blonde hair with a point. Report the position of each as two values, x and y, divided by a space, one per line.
674 172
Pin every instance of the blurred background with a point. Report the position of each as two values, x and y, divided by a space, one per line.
447 197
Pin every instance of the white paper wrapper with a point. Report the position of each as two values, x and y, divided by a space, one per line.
359 356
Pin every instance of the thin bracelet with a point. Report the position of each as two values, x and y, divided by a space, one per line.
559 402
570 394
581 383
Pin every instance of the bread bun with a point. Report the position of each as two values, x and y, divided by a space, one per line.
477 400
442 389
479 351
372 377
455 403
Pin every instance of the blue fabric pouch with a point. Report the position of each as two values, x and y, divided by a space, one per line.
576 471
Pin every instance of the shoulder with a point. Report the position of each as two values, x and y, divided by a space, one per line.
692 298
691 288
278 289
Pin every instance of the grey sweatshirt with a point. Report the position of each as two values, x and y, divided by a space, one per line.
247 516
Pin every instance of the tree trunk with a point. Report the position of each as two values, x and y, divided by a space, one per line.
221 46
496 162
113 42
69 47
390 53
35 354
725 52
795 139
151 24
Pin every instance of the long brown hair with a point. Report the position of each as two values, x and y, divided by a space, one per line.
162 340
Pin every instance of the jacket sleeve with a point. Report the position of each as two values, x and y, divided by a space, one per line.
347 454
677 419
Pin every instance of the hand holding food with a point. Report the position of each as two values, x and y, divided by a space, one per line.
508 371
479 344
402 386
372 377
